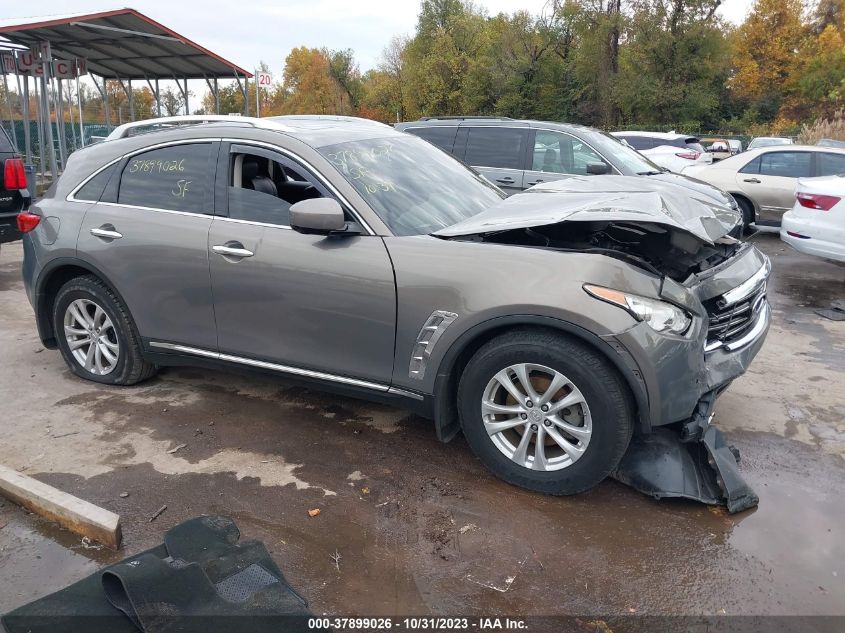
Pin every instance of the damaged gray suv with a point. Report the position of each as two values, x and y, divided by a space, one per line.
550 327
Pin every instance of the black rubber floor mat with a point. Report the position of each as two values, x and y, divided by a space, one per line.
202 579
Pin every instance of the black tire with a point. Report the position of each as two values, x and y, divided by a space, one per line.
130 367
608 398
747 214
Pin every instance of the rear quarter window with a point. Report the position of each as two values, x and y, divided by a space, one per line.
638 142
5 143
177 178
93 189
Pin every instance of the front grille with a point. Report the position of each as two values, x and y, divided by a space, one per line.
730 323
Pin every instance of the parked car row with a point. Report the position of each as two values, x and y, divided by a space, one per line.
515 155
546 326
669 150
816 223
763 180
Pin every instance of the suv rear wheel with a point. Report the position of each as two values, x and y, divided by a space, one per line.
97 338
545 412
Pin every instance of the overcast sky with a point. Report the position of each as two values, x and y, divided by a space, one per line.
248 31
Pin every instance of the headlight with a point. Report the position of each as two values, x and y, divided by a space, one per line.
659 315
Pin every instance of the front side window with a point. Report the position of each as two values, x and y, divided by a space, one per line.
562 154
263 186
177 178
497 147
625 159
831 164
413 187
786 164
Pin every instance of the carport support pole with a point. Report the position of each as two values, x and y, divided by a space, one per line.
187 107
79 103
40 126
27 141
9 108
158 100
45 113
216 98
60 123
131 103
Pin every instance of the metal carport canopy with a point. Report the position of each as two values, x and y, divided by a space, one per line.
121 43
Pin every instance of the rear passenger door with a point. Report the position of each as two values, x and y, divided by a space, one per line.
148 234
830 164
770 181
443 136
557 155
499 154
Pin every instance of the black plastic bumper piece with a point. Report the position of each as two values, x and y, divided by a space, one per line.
694 462
662 466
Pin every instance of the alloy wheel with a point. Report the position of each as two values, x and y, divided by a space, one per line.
536 417
91 337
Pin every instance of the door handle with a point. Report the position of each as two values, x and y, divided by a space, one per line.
536 182
506 180
234 250
106 232
757 180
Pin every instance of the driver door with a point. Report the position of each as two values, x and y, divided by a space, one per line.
312 303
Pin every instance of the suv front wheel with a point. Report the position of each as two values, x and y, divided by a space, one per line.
545 412
96 336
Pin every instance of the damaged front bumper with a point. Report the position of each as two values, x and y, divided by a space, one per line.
688 457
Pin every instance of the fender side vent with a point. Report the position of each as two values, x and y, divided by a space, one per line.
429 334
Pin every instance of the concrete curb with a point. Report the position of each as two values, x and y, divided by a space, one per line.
75 514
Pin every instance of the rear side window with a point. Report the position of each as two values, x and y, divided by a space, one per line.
5 143
441 136
93 189
638 142
786 164
752 167
831 164
177 178
497 147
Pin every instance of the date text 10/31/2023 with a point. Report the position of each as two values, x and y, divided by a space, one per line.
420 623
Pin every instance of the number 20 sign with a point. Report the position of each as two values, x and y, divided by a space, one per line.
265 79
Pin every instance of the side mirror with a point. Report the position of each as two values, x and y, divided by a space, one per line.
597 169
319 216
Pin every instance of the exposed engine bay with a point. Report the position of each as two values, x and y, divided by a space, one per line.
657 248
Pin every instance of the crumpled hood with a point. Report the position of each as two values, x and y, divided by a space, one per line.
604 198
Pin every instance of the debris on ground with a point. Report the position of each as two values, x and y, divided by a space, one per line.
177 448
836 312
336 558
123 495
65 434
157 514
314 512
469 527
365 490
87 544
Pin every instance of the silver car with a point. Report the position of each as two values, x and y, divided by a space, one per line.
548 327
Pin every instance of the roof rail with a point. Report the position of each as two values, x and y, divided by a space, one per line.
122 131
465 118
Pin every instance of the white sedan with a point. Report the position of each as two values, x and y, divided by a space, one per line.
816 224
668 150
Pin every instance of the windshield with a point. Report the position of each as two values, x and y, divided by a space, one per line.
414 187
626 159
